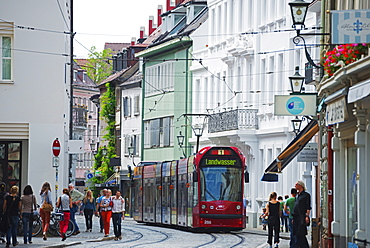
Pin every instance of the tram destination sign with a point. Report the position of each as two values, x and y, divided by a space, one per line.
220 161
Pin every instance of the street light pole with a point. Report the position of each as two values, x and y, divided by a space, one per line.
71 103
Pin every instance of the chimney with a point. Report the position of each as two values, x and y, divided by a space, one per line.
151 29
159 11
171 4
133 41
142 32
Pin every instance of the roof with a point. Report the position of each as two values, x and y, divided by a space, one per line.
114 76
81 80
116 47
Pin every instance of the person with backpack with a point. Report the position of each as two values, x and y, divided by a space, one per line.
64 204
46 208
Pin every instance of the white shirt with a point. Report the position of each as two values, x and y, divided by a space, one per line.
118 205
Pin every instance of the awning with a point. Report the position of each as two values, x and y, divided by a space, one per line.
359 91
289 153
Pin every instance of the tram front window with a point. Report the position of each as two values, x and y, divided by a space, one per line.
221 183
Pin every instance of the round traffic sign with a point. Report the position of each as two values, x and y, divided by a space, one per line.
56 147
89 175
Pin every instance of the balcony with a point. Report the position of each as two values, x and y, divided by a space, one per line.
79 116
239 119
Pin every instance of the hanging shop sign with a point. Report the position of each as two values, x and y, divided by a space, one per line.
350 26
336 112
302 104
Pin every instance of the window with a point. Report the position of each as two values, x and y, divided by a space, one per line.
158 132
136 105
159 78
6 58
126 106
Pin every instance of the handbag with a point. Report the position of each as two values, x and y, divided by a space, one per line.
35 215
111 203
47 206
59 216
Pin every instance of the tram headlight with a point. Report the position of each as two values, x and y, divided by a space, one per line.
203 206
238 207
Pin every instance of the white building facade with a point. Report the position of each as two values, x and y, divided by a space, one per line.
247 56
34 93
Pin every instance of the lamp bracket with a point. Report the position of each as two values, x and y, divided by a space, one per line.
296 40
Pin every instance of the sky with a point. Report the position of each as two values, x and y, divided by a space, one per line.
116 21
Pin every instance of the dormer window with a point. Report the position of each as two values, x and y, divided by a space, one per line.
74 75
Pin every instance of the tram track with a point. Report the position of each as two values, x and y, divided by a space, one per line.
166 236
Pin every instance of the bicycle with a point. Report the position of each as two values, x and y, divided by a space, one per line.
54 228
36 226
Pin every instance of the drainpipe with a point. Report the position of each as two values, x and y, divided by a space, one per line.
330 187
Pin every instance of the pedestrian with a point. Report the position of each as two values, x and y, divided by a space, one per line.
64 204
273 212
301 215
106 212
99 209
263 219
28 206
46 208
118 213
89 209
77 197
3 222
289 206
11 209
284 216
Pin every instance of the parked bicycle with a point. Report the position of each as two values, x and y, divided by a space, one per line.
54 229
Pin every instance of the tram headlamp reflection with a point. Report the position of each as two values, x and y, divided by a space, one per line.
203 206
238 207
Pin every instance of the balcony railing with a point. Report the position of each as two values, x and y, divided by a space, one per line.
79 116
239 119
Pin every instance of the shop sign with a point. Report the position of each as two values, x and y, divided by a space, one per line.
336 112
308 154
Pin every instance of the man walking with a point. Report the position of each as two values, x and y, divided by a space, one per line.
301 215
288 208
77 197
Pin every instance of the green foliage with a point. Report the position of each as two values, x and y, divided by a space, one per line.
98 67
107 113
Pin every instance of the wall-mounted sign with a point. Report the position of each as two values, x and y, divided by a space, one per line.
336 111
308 154
304 104
350 26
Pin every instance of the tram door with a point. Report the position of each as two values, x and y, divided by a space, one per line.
166 179
182 192
158 193
148 194
138 193
173 193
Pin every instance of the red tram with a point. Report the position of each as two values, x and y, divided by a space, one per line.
204 191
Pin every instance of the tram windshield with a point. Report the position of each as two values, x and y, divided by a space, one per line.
221 183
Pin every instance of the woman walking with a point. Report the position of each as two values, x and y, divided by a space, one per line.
89 209
28 206
12 204
46 208
273 212
106 212
65 204
118 213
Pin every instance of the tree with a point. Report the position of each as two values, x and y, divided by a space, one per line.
98 67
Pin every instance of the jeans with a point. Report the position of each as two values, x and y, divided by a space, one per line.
88 218
27 220
116 217
12 232
292 243
273 228
74 209
64 223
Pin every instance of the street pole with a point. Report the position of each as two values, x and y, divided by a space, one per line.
71 91
198 137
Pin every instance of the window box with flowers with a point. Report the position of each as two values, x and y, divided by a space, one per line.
343 55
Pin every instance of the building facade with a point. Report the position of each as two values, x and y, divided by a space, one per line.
34 93
246 60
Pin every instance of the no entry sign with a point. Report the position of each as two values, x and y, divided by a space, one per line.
56 147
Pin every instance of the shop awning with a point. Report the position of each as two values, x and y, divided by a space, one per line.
359 91
289 153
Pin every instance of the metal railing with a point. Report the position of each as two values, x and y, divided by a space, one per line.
79 116
238 119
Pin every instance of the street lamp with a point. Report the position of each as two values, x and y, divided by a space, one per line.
131 150
180 141
296 125
93 146
104 151
298 9
296 81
